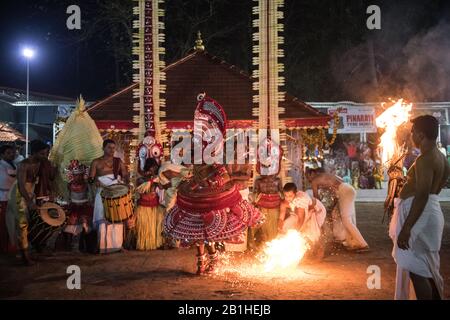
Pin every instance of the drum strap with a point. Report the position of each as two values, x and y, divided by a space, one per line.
116 167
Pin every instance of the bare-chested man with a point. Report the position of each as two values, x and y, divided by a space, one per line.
23 195
267 194
417 225
346 194
106 171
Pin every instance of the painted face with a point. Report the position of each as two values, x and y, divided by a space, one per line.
289 196
208 129
209 125
206 133
109 149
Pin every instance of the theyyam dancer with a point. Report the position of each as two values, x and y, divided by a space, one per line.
209 207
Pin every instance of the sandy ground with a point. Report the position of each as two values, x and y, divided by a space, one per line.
169 274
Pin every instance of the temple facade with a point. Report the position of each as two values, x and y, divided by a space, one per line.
198 72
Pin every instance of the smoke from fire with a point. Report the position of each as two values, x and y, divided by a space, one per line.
408 58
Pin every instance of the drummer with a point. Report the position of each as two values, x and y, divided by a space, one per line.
23 195
106 171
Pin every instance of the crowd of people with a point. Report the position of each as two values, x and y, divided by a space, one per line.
360 165
356 163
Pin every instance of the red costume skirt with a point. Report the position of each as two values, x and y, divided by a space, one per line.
269 201
205 215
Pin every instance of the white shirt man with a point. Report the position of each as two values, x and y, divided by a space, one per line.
7 178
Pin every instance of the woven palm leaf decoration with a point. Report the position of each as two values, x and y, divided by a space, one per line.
79 140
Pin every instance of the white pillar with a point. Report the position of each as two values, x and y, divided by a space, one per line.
28 97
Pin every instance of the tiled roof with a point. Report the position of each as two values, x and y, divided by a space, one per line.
8 134
198 72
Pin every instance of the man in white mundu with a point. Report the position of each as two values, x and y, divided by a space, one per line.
418 222
106 171
306 214
346 228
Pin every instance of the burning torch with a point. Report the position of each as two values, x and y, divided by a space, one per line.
393 155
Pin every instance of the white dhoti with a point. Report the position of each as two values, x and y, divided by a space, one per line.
11 212
422 257
339 232
313 221
346 197
110 235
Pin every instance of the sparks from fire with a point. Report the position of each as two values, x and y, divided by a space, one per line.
279 258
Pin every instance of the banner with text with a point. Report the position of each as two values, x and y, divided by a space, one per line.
354 119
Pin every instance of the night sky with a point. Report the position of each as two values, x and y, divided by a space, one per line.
54 69
325 45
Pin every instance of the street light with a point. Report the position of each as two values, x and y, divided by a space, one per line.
28 53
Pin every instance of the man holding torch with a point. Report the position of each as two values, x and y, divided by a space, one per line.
417 225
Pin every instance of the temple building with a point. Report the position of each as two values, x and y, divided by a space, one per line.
198 72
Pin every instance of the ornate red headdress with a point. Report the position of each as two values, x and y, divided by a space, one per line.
274 153
75 168
209 115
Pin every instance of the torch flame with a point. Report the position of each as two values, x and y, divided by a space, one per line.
284 253
390 120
